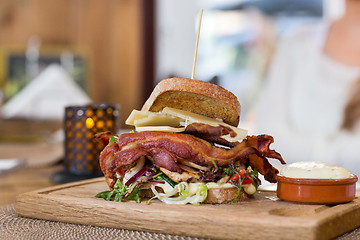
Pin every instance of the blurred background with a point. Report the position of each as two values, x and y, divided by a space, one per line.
73 52
116 50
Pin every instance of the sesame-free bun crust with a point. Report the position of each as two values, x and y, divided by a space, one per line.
195 96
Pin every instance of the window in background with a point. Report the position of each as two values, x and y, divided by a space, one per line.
239 37
18 69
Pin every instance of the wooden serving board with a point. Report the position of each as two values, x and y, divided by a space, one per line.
264 216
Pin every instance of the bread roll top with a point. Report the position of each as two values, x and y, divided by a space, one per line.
195 96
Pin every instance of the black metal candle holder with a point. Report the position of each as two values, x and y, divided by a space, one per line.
81 123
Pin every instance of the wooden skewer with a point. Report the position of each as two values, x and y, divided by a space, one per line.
197 44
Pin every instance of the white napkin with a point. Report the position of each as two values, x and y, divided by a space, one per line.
46 96
10 164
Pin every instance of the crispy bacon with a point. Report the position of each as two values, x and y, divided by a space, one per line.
211 133
259 161
208 130
103 137
167 150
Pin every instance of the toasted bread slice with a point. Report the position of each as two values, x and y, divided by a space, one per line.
225 195
195 96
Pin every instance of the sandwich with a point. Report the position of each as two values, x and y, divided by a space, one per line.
186 147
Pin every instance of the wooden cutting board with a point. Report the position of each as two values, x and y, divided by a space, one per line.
264 216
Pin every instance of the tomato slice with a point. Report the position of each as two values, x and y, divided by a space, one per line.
244 175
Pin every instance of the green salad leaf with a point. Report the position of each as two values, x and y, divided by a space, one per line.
163 177
120 192
113 139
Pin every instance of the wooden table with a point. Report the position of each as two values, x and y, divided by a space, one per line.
34 143
25 179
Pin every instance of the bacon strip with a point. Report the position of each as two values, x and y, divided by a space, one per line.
262 144
211 133
103 137
208 130
167 149
259 161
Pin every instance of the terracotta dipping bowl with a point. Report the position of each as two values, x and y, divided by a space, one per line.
316 191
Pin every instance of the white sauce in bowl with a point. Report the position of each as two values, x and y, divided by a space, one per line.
314 170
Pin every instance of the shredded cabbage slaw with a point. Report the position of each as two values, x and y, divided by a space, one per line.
182 193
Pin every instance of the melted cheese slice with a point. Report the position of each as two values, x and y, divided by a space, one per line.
161 129
146 118
175 120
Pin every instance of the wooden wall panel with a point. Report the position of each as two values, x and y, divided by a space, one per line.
111 31
21 19
126 41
